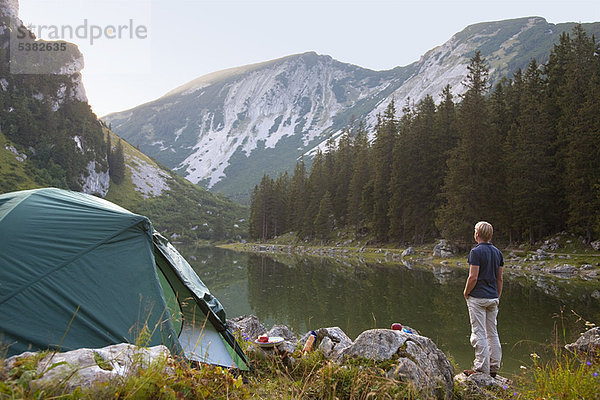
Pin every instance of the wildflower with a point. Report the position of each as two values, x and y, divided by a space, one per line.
534 355
588 363
505 387
595 374
523 367
515 394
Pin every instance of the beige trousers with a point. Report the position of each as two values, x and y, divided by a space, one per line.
484 334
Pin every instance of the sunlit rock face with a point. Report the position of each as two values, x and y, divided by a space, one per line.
226 129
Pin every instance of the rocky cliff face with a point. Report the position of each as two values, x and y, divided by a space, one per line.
226 129
52 79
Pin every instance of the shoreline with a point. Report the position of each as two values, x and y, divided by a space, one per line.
563 266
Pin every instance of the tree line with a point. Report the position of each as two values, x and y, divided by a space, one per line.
524 156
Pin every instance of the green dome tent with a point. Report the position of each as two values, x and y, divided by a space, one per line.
78 271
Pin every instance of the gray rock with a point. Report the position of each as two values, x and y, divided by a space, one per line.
541 254
290 339
480 385
284 332
248 325
408 252
326 346
564 270
588 344
339 341
590 275
86 367
596 245
444 249
419 359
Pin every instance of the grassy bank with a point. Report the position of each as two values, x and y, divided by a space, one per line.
309 376
559 250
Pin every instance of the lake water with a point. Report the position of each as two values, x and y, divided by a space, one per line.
310 293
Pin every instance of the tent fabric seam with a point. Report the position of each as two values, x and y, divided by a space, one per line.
22 199
66 263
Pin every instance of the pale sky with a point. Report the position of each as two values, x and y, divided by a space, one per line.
180 40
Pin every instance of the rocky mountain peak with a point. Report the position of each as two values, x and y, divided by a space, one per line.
9 8
226 129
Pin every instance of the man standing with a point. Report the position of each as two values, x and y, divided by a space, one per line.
482 292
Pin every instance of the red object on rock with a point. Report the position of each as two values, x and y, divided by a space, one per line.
397 327
263 339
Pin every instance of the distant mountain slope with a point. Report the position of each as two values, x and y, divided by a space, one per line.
226 129
50 137
177 208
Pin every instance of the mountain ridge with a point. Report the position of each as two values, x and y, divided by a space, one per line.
221 133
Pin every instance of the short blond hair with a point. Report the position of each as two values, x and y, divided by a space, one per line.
485 230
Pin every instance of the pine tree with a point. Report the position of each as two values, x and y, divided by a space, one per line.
580 123
298 199
256 217
117 165
342 175
359 205
281 204
471 186
324 221
400 187
383 157
531 163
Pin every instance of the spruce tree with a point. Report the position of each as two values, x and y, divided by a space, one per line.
298 198
580 123
324 221
117 167
359 204
471 187
383 156
531 163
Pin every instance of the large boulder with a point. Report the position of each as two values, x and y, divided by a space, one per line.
588 344
444 249
480 385
86 367
247 325
416 359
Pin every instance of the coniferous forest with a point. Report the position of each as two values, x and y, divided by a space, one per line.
523 155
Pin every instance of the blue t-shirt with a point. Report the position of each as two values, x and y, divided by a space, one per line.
489 259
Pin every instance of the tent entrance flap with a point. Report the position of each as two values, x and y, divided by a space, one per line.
205 335
204 344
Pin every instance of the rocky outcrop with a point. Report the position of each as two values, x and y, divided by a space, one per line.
247 325
9 8
588 345
86 367
95 182
444 249
480 385
416 359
